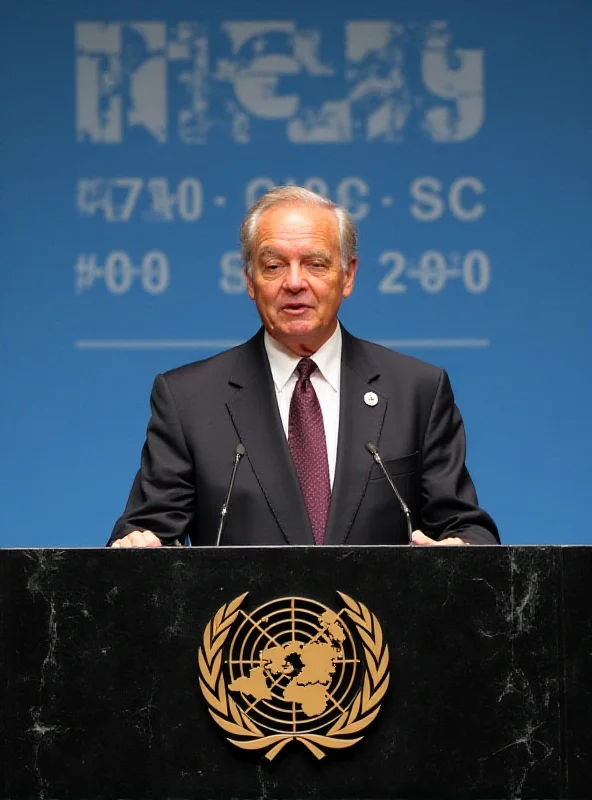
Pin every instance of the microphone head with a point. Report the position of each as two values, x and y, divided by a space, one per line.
371 448
239 450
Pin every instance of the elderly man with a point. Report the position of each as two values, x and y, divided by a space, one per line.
308 401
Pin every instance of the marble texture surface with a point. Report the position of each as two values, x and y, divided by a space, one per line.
576 654
490 694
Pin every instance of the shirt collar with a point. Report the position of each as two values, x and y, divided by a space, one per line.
283 362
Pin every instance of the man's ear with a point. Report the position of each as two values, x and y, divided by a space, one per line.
350 276
250 287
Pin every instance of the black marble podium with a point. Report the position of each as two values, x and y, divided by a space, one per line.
490 693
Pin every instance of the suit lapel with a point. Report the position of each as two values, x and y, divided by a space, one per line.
358 423
256 417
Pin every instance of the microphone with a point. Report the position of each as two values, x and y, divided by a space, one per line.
239 452
371 448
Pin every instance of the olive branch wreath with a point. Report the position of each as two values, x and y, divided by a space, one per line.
226 713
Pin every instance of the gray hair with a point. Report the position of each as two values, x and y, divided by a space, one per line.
297 196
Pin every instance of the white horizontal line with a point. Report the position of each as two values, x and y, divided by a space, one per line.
221 344
449 343
155 344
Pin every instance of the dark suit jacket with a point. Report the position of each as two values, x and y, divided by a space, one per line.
202 410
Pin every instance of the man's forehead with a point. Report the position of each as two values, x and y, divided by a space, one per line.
269 250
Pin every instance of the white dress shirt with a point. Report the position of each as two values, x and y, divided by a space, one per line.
325 380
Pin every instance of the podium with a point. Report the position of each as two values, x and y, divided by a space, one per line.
490 664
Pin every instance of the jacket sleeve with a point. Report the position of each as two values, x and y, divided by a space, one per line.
448 498
162 498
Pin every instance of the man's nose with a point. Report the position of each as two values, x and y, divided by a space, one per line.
294 277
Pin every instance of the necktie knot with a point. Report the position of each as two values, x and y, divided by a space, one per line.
305 367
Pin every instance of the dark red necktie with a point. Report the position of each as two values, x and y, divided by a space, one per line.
306 438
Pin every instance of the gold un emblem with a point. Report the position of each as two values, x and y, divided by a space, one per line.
292 670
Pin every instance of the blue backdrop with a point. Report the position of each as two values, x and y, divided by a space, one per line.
134 135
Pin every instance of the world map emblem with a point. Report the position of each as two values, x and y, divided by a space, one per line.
293 670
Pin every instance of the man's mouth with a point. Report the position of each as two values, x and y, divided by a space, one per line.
295 308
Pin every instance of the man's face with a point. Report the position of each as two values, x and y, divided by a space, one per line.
297 282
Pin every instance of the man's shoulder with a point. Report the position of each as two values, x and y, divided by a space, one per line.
203 366
216 367
386 359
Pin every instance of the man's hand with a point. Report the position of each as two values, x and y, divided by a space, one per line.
421 540
138 539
